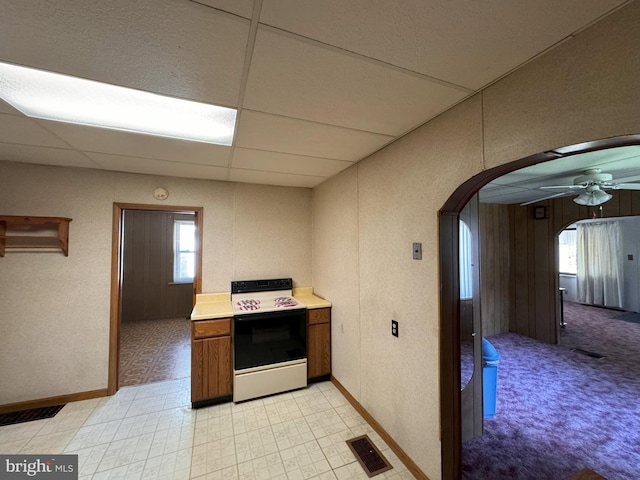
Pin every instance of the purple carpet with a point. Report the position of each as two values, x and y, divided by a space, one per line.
559 410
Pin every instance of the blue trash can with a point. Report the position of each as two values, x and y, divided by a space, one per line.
490 361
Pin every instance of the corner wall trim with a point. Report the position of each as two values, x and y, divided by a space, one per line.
51 401
404 458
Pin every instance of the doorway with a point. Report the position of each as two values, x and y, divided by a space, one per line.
128 300
450 304
607 272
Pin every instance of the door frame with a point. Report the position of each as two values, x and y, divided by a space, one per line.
448 218
117 244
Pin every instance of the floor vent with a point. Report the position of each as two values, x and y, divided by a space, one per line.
372 461
588 353
29 415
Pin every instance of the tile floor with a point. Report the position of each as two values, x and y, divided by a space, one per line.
150 432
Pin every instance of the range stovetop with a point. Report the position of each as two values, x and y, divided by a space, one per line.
257 296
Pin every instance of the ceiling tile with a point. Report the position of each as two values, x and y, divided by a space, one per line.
245 158
122 163
273 178
330 82
498 195
616 160
610 161
23 130
44 156
117 142
466 43
289 135
244 8
153 45
295 78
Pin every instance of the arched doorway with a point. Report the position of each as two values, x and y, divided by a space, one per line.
450 330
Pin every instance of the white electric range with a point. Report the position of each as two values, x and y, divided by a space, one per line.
270 338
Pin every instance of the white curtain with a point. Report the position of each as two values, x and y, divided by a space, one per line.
600 275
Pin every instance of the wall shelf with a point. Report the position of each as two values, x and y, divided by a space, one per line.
27 233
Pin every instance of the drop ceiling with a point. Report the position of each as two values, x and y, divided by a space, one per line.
318 84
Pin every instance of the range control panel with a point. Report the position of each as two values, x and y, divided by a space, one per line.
250 286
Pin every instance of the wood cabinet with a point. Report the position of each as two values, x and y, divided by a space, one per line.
318 343
211 362
28 233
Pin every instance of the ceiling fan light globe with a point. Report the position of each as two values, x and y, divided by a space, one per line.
582 199
593 198
601 196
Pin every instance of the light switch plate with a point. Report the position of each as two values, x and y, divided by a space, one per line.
417 251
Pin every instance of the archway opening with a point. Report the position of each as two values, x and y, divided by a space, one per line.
450 352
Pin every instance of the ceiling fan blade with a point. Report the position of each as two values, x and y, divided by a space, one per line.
551 187
626 186
546 198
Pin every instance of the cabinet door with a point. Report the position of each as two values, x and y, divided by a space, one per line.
318 315
211 368
319 350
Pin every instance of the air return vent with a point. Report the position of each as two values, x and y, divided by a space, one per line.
587 353
29 415
372 461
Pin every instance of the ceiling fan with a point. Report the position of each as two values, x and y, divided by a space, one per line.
592 184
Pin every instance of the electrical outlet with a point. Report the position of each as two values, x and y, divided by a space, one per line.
394 328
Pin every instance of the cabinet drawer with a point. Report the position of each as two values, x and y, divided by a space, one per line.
211 328
318 315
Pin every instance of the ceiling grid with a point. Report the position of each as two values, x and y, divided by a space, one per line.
319 85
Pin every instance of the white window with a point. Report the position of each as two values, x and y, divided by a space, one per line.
567 253
184 251
466 262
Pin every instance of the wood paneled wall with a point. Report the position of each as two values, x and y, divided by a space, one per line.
147 289
532 274
535 309
496 288
625 203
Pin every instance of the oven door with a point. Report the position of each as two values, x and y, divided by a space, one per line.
262 339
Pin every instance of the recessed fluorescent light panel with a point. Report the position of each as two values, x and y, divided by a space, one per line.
62 98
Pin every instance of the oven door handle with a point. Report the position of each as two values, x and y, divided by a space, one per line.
244 319
259 316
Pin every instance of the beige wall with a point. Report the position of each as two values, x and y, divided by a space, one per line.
335 244
54 315
585 89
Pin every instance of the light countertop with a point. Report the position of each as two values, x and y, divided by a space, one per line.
305 295
210 306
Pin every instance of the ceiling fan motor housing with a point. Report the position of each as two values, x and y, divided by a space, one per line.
593 176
